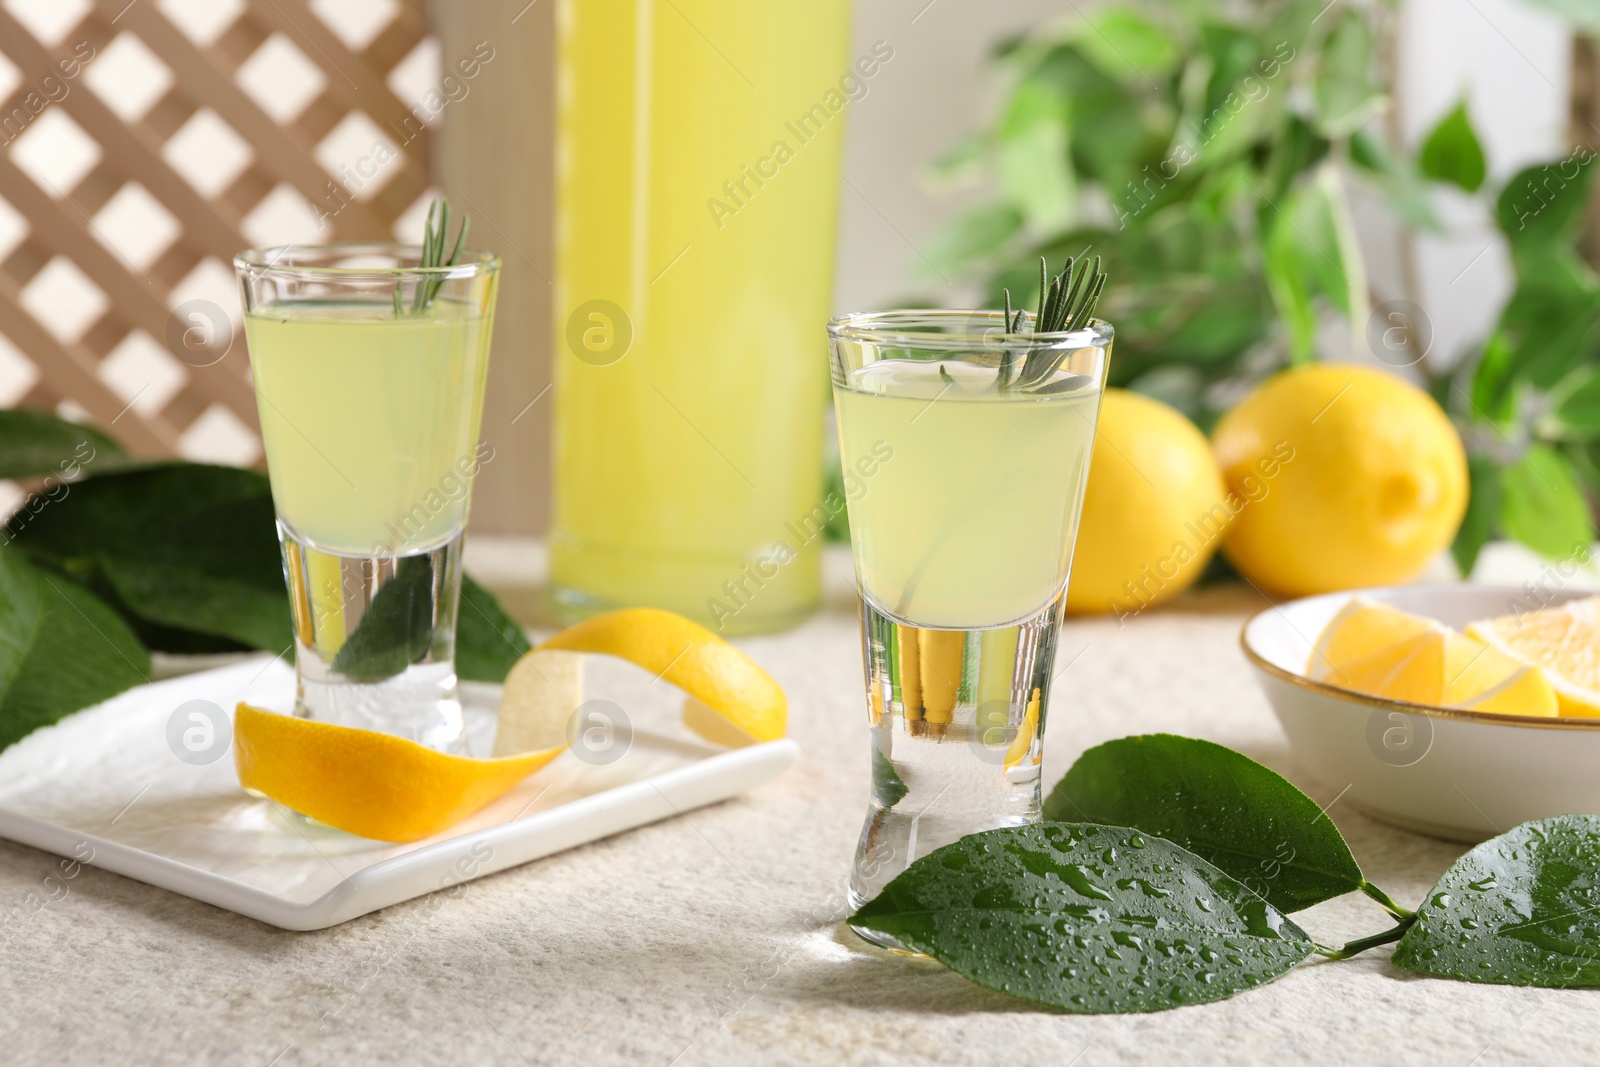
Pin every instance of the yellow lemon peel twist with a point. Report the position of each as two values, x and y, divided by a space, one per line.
690 657
367 783
385 787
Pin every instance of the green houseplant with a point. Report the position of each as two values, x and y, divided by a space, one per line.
1208 152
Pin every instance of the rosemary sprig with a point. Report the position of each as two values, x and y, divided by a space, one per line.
1066 303
1008 357
435 239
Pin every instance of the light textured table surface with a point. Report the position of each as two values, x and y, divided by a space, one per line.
715 938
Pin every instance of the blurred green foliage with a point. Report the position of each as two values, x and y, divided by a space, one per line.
1529 404
1208 150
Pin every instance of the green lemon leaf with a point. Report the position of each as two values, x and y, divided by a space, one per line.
1110 136
1483 505
1032 158
250 613
1296 147
396 630
1284 34
972 236
61 649
1542 505
1552 321
188 554
1289 287
1347 282
1544 204
1344 89
1091 919
39 443
1310 251
1452 152
488 640
1575 407
1491 396
1225 53
1520 909
1227 324
1219 804
1247 116
184 546
1124 43
1401 183
1111 127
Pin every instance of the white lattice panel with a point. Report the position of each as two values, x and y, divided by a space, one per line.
141 145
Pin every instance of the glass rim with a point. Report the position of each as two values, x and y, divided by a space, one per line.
890 329
278 260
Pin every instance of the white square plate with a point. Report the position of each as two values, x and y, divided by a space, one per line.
104 786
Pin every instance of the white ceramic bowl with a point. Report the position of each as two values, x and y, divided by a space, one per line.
1463 775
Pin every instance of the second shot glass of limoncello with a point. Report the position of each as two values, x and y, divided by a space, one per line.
369 364
979 439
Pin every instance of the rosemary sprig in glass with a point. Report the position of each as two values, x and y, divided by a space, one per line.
435 239
1066 303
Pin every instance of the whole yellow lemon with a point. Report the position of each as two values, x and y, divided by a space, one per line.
1154 510
1347 476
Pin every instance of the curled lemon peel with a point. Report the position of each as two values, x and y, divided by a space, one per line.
367 783
380 786
690 657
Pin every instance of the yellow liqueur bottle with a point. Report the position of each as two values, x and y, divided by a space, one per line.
697 185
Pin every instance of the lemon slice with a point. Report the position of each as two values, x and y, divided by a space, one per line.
1446 669
1362 628
1587 608
367 783
689 656
1564 641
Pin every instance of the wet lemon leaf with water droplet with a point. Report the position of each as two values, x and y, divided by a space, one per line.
1217 803
1036 912
1520 909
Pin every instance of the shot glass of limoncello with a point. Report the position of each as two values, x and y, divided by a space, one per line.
369 363
977 436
